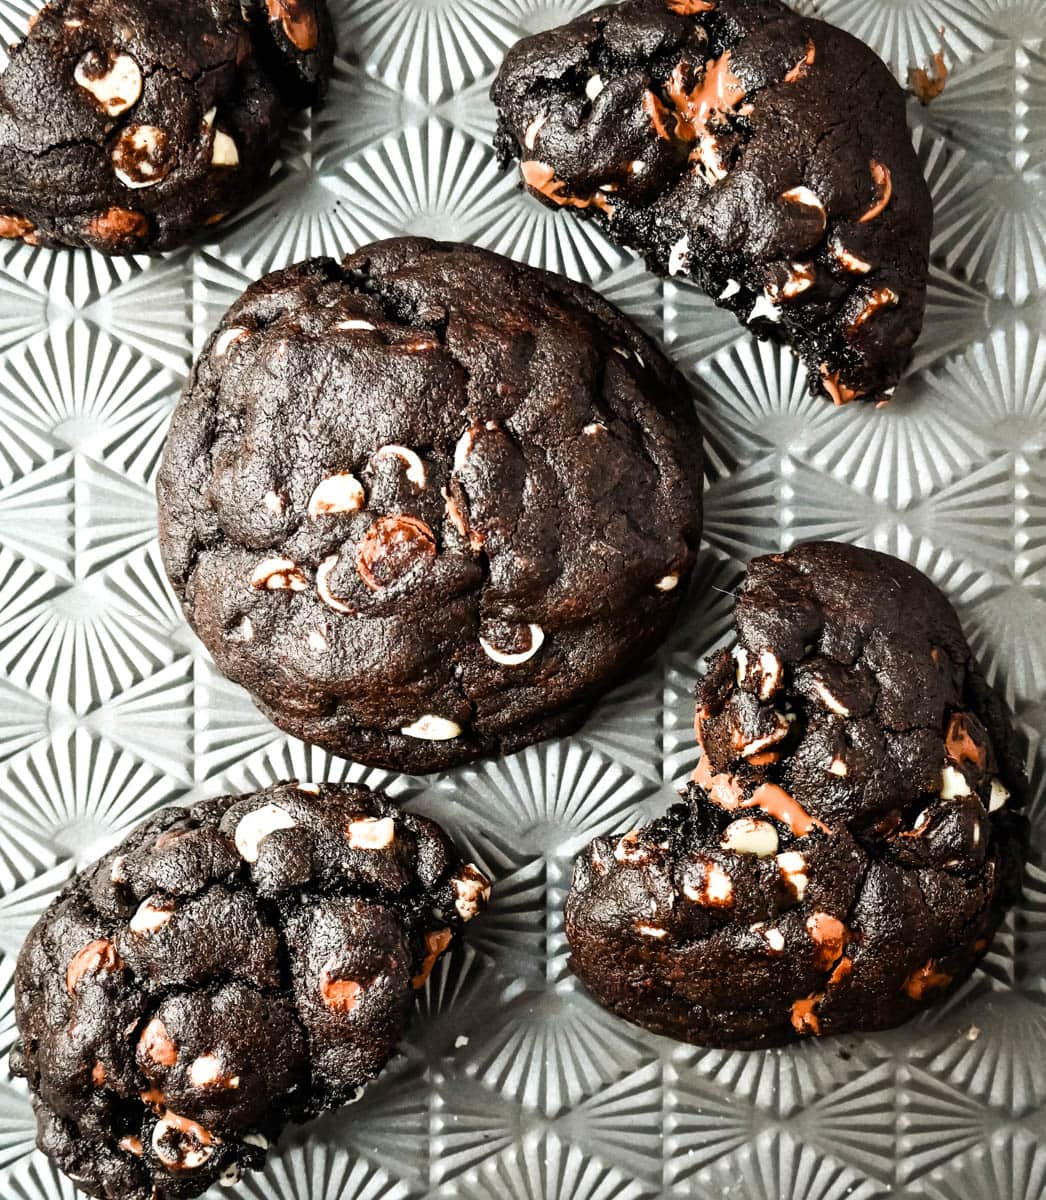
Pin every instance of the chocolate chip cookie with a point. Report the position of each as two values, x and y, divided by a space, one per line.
852 834
128 125
428 504
227 969
762 154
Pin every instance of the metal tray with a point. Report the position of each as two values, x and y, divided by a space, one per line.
512 1084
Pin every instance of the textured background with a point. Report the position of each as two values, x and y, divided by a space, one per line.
109 708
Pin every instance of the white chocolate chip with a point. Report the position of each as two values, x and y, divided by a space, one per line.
779 731
530 137
227 339
356 323
189 1155
998 797
731 289
323 587
953 784
749 836
774 938
275 574
310 789
975 837
273 501
679 256
506 659
594 428
830 701
149 917
740 656
415 468
764 309
804 197
340 493
254 827
667 583
371 833
431 728
463 449
206 1071
116 870
716 891
471 891
317 641
140 156
119 89
223 151
637 166
594 86
800 277
770 665
792 866
256 1139
654 931
847 259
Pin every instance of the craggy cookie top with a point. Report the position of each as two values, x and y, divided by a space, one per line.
226 969
128 124
428 503
763 154
851 835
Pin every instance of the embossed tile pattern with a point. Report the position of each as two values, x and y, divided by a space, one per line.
513 1084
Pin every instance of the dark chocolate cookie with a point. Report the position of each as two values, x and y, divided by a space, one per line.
127 125
428 504
762 154
852 835
227 969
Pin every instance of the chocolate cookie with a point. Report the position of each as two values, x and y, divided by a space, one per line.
127 125
227 969
762 154
852 834
428 504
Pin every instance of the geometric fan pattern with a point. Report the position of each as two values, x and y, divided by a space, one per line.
512 1083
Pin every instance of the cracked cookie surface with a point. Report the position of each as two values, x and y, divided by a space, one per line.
761 154
129 125
227 969
428 504
852 834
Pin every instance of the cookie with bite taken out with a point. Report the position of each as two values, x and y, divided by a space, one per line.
761 154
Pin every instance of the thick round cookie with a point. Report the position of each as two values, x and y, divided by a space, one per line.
127 125
762 154
227 969
428 504
852 835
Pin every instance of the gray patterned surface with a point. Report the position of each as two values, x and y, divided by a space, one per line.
513 1084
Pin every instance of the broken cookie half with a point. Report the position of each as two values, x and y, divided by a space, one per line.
850 839
761 154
